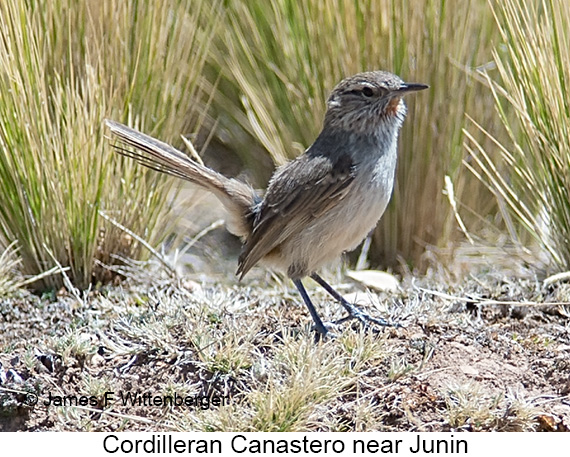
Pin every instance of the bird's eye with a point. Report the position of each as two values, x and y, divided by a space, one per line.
367 92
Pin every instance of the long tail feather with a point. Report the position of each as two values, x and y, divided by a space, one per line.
162 157
238 198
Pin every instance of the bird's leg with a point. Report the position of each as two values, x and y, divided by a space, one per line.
353 311
318 322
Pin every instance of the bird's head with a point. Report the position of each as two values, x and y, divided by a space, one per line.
369 101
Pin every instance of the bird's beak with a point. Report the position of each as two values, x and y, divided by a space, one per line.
411 87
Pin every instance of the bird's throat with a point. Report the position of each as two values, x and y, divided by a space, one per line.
393 106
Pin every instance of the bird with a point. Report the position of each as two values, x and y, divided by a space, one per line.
319 205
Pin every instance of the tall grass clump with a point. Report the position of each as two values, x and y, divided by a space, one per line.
9 280
64 67
283 57
531 176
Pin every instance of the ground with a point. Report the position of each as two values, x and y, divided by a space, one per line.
484 353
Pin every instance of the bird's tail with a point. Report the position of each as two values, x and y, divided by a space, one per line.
237 197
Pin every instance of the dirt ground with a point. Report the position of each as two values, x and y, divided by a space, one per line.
488 353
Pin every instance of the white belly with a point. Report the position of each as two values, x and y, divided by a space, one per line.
345 226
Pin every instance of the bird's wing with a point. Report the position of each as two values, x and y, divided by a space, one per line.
308 187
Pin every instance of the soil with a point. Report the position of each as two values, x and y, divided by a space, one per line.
461 360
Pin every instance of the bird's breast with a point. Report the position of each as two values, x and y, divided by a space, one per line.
344 226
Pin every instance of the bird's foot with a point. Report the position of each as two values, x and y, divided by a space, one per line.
356 313
330 331
322 331
353 311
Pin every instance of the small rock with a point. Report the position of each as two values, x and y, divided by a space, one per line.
97 360
14 377
374 279
191 286
46 361
469 370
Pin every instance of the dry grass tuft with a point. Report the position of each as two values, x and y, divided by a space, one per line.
529 177
10 279
66 66
470 407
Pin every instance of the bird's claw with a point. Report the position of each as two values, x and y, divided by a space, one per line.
355 313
